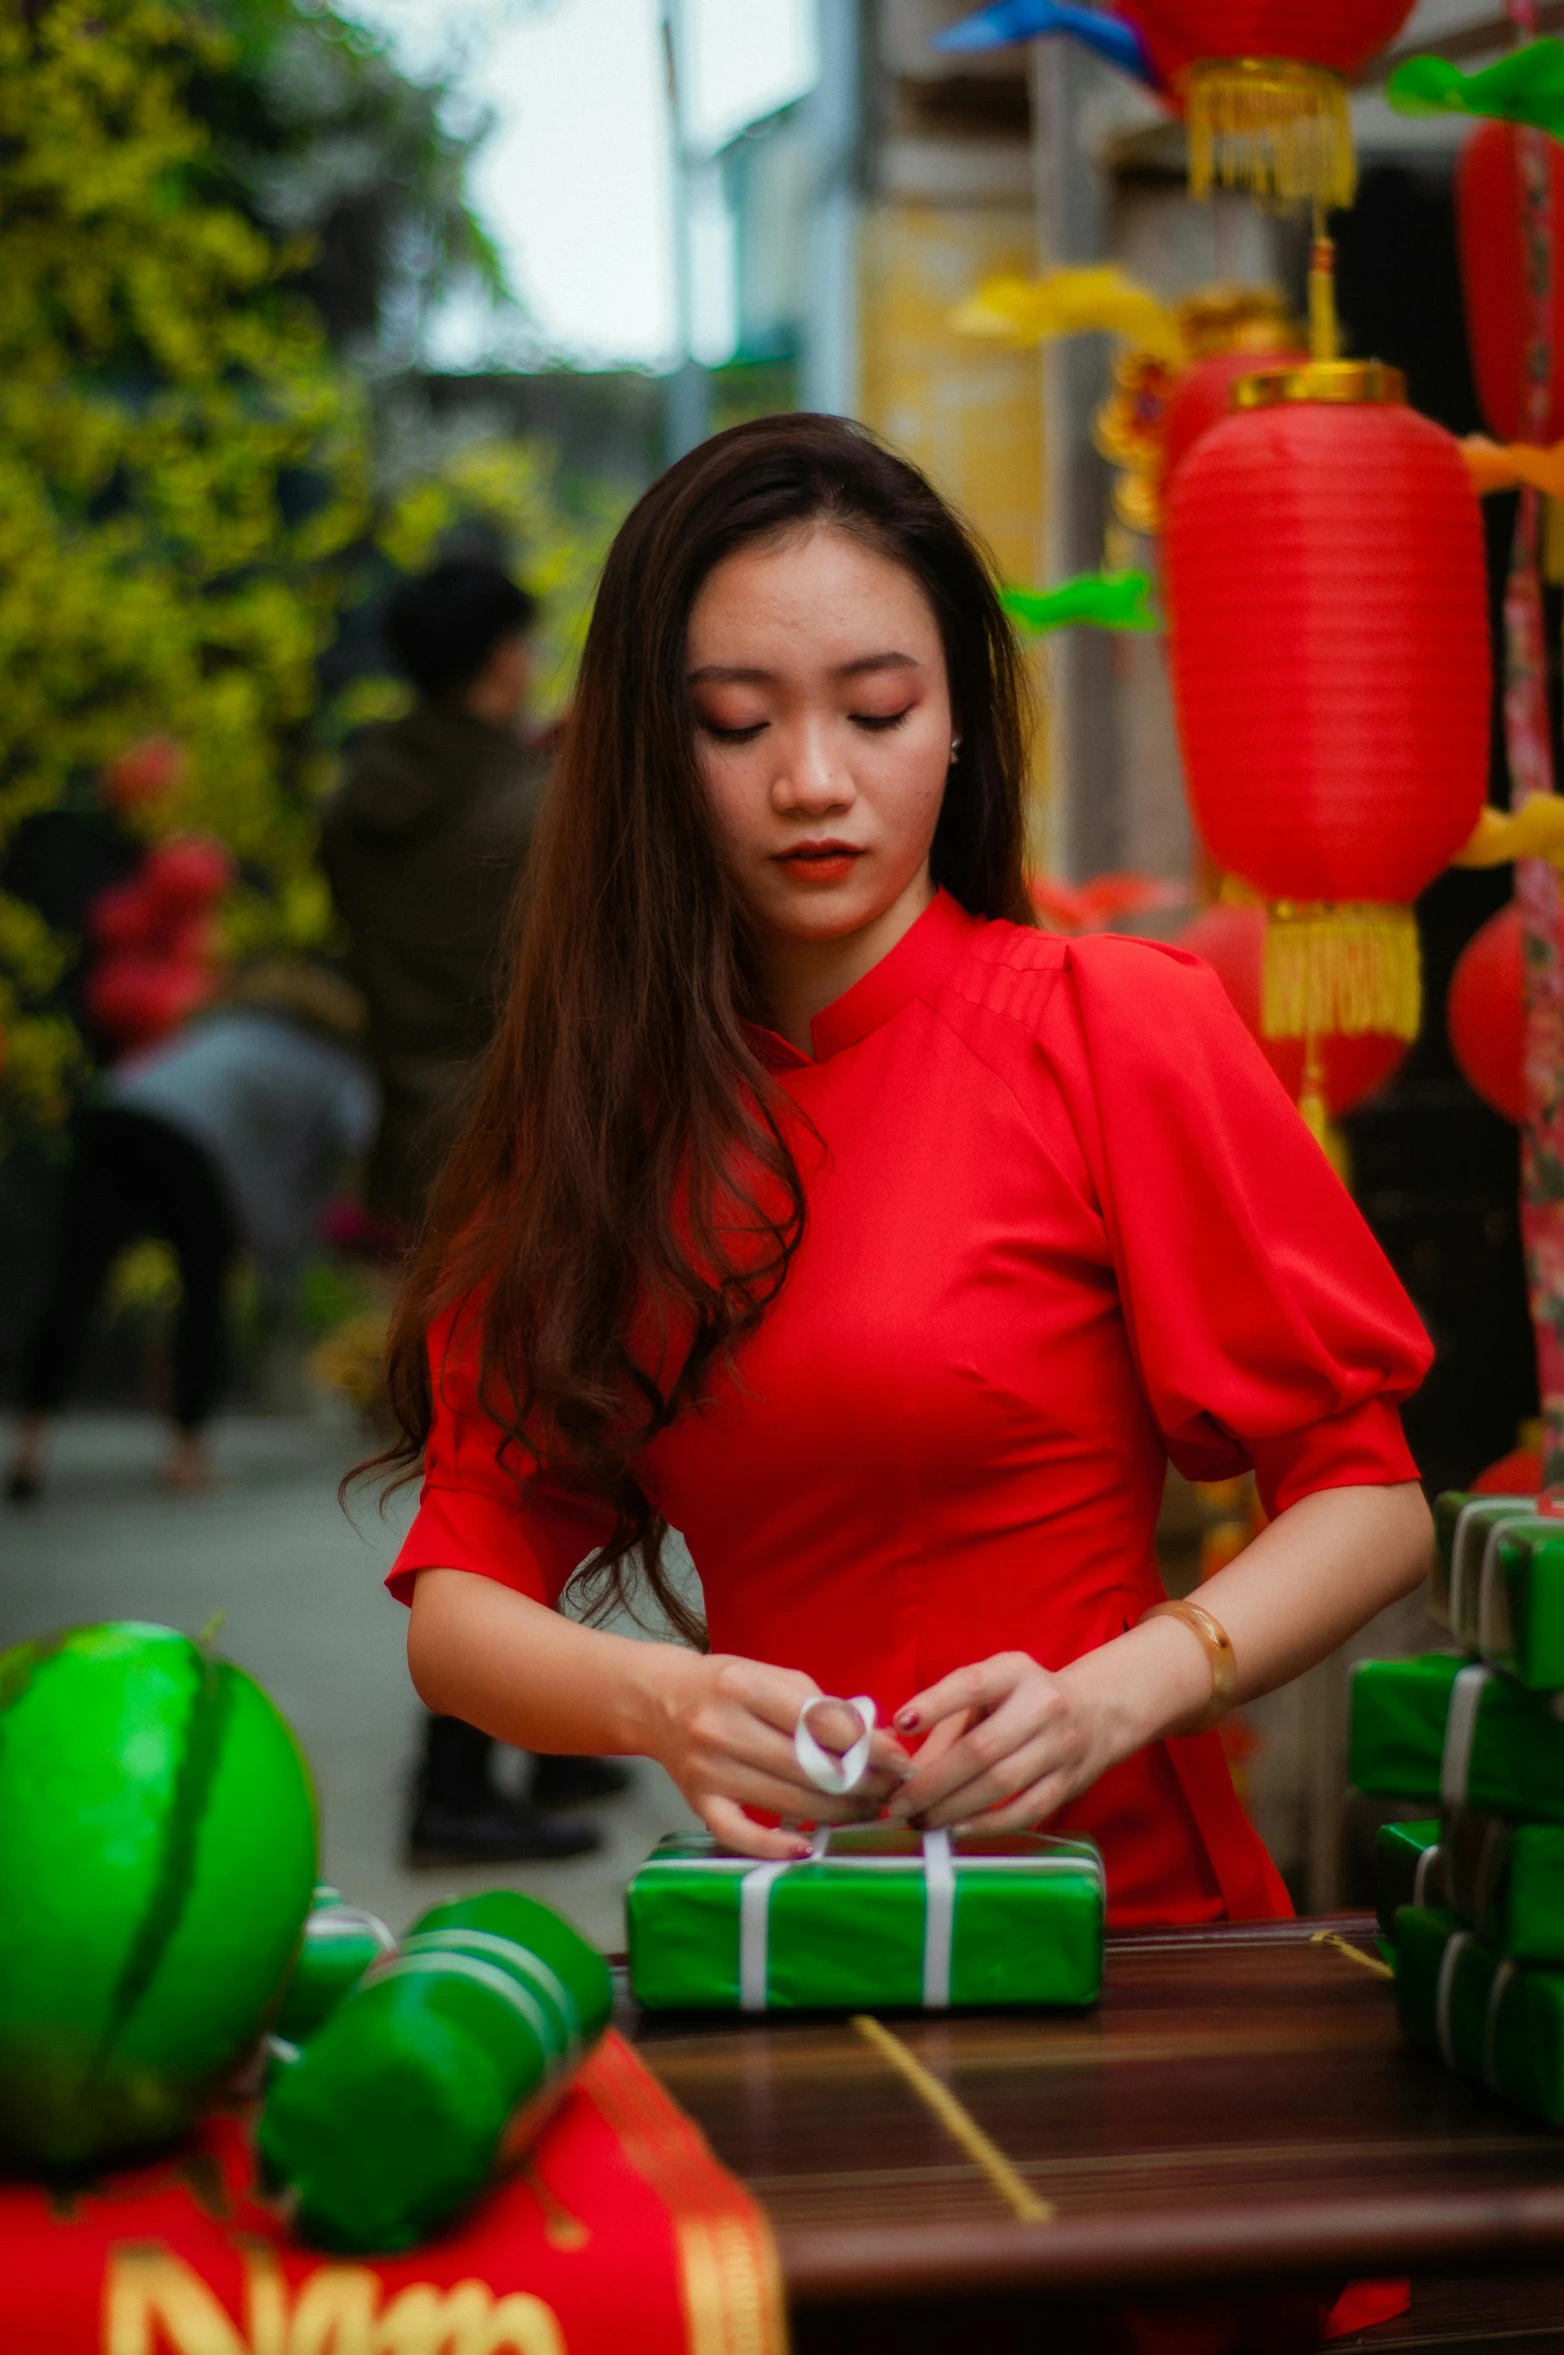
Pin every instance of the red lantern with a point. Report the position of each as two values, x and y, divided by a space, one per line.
1202 397
1328 618
1232 942
186 874
1489 212
1339 35
1262 82
1486 1014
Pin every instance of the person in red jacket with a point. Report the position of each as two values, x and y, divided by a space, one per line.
819 1206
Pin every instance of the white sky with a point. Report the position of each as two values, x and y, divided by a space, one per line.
574 182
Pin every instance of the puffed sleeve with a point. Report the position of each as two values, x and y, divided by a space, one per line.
1268 1327
473 1512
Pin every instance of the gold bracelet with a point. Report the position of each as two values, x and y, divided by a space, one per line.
1219 1647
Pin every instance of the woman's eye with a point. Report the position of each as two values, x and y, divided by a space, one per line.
732 735
876 722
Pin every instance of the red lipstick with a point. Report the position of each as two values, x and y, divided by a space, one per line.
825 861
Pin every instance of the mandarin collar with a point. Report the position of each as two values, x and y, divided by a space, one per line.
927 952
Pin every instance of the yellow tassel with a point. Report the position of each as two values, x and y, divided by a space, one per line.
1340 971
1280 129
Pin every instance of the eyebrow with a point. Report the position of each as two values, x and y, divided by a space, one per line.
728 674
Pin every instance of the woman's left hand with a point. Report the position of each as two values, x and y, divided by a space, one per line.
1009 1744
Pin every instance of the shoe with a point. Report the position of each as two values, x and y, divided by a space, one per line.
502 1831
573 1782
24 1488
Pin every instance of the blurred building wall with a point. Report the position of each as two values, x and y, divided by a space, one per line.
947 202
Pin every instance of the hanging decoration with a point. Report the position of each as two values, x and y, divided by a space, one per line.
1093 298
1262 83
1231 939
1527 86
1092 600
1501 316
1203 396
1507 201
1486 1014
1172 375
1111 38
1328 619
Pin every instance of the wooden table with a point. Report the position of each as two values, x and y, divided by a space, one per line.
1240 2111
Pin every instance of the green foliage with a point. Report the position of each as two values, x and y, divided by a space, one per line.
317 136
182 469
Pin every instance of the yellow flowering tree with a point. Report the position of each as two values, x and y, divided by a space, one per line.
182 469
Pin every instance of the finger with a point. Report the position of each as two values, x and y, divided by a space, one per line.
888 1759
1023 1717
735 1829
835 1726
941 1738
1033 1763
801 1800
775 1695
735 1740
1027 1809
964 1688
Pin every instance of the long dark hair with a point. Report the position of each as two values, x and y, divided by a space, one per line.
624 1202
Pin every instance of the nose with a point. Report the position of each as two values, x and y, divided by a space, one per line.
808 781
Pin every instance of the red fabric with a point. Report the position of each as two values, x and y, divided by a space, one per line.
1063 1222
1364 2303
1486 1014
1232 942
606 2238
1493 280
1328 611
1342 34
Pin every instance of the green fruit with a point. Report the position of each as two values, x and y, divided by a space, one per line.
157 1854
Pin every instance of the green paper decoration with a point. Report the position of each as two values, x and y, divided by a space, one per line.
1093 600
156 1865
1526 86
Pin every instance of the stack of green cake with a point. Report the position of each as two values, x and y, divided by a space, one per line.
1472 1901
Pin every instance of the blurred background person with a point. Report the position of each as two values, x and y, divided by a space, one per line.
226 1138
424 844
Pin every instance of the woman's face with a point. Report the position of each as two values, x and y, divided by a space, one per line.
823 727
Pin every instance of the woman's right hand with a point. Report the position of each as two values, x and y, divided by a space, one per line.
727 1741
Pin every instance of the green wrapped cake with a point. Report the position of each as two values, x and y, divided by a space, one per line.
1506 1881
340 1943
1408 1869
1461 1526
876 1918
1495 2020
156 1864
393 2115
1445 1731
1498 1585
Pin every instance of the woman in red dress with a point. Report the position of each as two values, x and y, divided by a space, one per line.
820 1207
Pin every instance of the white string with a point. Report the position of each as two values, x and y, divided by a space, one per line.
1455 1765
939 1919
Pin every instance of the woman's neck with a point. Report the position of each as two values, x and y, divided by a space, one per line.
803 977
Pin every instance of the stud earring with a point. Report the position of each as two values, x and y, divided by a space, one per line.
955 750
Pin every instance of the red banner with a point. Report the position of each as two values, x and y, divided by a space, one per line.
622 2231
